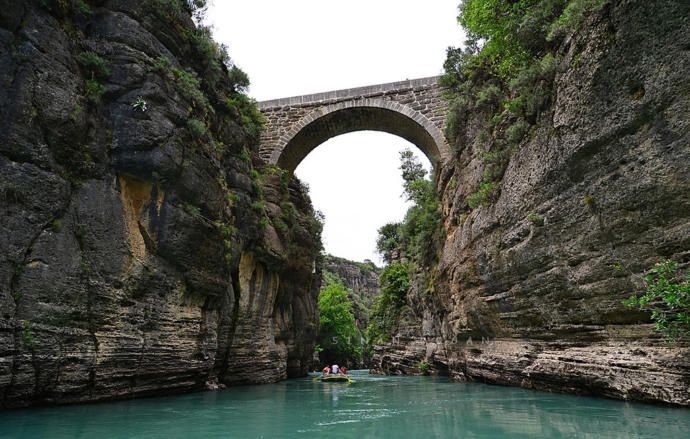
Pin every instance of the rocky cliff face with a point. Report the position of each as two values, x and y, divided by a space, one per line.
528 290
362 282
362 278
141 252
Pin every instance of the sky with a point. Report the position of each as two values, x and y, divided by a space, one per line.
291 48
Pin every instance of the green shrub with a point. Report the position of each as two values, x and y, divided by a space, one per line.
203 42
496 162
171 10
489 97
189 88
493 21
94 64
456 118
315 220
668 298
196 128
487 193
289 212
284 179
257 189
517 131
94 90
238 79
535 219
280 226
226 231
162 65
57 225
27 335
395 281
507 50
424 368
531 88
258 206
246 112
233 199
573 16
210 55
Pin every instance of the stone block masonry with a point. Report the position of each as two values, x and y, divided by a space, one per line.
412 109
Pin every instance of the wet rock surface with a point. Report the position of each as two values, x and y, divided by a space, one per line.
538 303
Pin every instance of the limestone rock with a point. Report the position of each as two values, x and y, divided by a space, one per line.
131 262
539 304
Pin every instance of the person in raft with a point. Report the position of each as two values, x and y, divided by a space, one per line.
326 370
343 370
334 369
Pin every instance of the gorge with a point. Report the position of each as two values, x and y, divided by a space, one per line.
154 241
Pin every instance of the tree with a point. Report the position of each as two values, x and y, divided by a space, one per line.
412 173
389 241
395 280
418 237
668 298
337 333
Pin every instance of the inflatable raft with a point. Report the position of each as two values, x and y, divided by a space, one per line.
333 377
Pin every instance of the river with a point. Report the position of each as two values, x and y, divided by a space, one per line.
372 406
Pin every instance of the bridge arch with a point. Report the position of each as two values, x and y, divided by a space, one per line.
412 109
358 115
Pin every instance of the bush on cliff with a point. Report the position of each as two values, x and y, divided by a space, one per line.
395 281
503 77
419 236
417 239
668 299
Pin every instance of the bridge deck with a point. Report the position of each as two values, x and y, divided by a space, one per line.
350 92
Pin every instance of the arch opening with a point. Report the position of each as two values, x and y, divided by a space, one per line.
357 196
369 115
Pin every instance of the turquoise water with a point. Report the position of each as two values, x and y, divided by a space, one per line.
372 406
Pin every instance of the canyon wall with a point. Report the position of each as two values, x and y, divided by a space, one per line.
361 281
144 247
361 278
528 289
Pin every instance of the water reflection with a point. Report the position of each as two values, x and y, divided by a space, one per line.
372 406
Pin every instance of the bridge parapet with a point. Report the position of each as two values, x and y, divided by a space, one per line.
349 93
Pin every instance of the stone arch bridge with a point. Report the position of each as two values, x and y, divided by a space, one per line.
411 109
